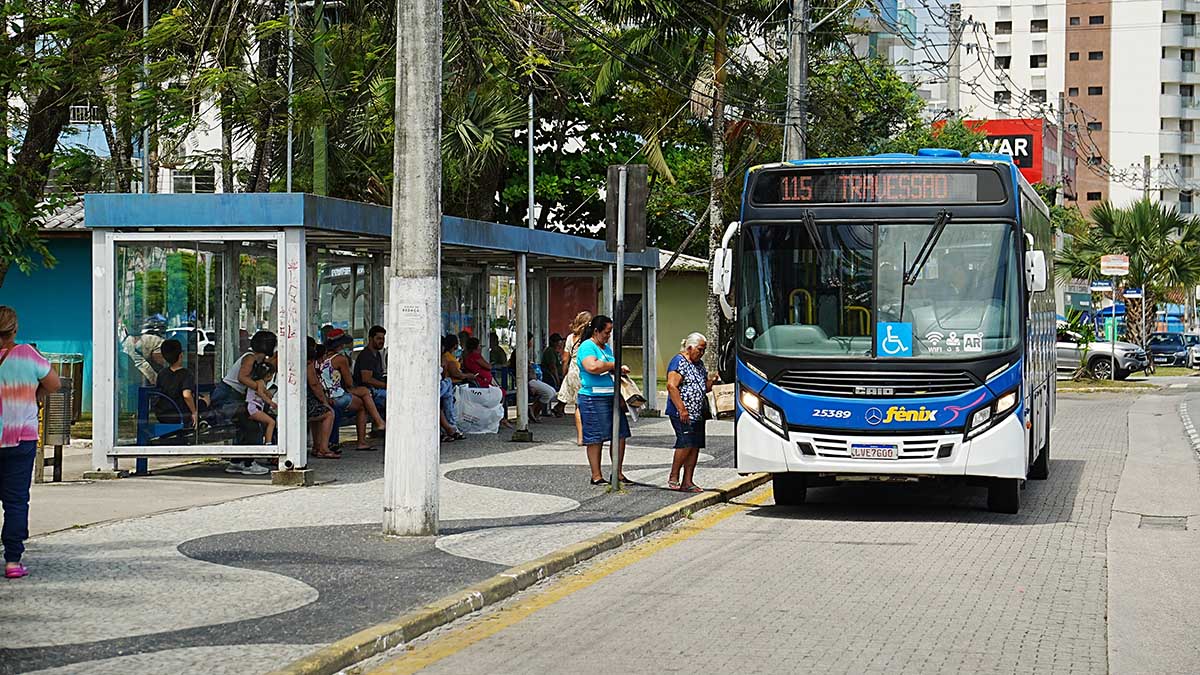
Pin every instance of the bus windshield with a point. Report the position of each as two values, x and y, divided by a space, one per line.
821 291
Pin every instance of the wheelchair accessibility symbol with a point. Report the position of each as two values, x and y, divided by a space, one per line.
894 340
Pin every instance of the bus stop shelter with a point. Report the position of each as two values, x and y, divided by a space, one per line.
212 270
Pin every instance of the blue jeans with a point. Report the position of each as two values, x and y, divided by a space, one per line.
446 399
380 398
16 473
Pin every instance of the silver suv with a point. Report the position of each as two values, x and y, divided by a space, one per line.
1069 349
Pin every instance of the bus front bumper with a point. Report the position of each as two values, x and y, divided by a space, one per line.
998 452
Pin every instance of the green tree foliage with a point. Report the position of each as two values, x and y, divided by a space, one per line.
1065 219
952 134
1163 249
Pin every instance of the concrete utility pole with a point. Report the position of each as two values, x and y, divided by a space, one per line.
796 143
797 107
411 457
1145 176
1059 196
955 77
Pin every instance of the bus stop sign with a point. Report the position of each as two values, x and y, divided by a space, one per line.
1114 265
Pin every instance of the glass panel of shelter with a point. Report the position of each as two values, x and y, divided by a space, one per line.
185 315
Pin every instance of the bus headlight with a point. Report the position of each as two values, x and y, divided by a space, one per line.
763 411
989 415
751 402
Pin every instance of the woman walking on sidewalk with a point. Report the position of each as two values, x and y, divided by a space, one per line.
596 365
569 390
25 376
688 385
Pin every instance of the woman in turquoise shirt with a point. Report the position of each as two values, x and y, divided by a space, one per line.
596 364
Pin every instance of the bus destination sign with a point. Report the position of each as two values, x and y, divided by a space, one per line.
877 185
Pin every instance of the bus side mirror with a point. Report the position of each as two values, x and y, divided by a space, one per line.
1035 271
722 271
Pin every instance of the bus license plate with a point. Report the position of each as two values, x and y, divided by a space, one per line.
873 452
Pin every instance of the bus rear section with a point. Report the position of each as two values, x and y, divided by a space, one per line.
892 323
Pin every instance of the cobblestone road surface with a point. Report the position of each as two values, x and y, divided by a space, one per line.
864 579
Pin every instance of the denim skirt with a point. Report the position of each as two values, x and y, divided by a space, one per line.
689 435
596 413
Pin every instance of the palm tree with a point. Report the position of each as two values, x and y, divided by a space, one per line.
1163 248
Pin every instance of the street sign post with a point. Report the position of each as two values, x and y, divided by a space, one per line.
1114 265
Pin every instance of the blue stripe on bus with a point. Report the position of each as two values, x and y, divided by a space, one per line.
898 414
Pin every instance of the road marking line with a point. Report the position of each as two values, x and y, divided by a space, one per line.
487 626
1179 385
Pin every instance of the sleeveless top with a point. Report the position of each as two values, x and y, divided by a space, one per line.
331 379
231 378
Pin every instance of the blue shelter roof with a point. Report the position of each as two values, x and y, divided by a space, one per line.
331 221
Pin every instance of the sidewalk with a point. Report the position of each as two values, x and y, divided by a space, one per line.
254 579
1154 542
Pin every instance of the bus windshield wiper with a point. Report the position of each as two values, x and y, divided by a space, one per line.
810 225
918 264
931 240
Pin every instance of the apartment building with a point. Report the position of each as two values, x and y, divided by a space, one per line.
1127 69
895 32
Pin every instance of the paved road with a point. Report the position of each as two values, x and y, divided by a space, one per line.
875 579
255 577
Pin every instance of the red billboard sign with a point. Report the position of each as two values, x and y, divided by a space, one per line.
1032 143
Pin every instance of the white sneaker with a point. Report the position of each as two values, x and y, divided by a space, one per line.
234 467
255 469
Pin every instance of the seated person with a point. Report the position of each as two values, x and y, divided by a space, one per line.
540 393
450 364
369 370
552 359
259 403
179 403
552 369
334 369
473 362
496 350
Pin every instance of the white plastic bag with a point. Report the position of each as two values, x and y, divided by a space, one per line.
479 410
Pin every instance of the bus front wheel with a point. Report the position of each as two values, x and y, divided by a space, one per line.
790 489
1004 495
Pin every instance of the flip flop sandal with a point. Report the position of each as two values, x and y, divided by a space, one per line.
599 481
673 485
691 488
369 448
447 438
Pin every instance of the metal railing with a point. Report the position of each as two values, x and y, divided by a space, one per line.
1189 29
1189 66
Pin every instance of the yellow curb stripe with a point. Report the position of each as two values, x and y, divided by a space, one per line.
487 626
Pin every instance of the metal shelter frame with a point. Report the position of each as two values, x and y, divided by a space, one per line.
305 229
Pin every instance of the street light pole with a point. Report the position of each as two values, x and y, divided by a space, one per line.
146 84
290 87
411 455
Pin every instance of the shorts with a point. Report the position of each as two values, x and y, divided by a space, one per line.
254 406
342 402
690 435
596 413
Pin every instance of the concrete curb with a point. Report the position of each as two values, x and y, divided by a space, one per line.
382 637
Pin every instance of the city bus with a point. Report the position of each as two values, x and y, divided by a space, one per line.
892 322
